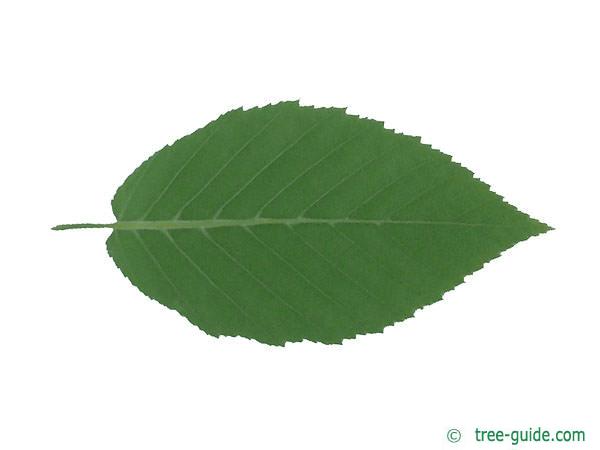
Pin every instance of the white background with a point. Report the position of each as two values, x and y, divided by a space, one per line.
89 90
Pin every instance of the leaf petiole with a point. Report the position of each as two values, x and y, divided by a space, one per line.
73 226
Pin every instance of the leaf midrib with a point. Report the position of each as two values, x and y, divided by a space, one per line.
256 221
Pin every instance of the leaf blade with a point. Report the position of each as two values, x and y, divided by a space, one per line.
316 224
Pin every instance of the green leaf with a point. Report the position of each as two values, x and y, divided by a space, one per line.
287 222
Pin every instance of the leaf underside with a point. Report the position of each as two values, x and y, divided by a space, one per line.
286 223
